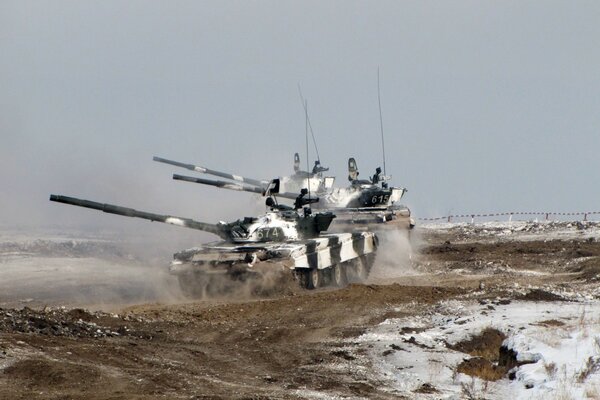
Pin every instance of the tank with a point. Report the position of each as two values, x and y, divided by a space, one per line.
363 204
369 202
252 246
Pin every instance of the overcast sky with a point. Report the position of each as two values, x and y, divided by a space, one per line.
487 106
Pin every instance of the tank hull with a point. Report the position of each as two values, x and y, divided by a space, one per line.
316 256
376 219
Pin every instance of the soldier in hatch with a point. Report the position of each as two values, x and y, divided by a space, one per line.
318 168
376 178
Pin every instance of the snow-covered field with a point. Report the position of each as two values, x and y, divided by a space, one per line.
559 341
555 344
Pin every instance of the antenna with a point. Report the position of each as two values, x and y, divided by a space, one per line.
381 121
304 104
306 125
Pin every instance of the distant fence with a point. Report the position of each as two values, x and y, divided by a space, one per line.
545 215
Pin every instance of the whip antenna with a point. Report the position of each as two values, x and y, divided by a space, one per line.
304 104
306 125
381 121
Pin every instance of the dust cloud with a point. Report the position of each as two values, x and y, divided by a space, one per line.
107 271
396 254
268 279
38 270
59 255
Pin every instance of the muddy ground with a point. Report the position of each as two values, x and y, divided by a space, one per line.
286 344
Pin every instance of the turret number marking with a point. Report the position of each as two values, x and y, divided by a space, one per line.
381 199
270 234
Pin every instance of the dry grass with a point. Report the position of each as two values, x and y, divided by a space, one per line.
474 391
591 392
564 386
582 322
550 369
592 365
485 345
549 323
485 349
426 388
481 368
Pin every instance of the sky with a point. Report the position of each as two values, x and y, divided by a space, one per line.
487 106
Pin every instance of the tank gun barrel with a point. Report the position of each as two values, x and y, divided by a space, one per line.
231 186
219 230
220 184
204 170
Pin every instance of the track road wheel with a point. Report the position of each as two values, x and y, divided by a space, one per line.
302 277
362 267
314 279
361 271
338 275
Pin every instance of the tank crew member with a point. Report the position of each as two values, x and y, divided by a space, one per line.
299 203
318 168
274 206
375 179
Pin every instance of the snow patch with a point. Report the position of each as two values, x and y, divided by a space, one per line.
558 342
